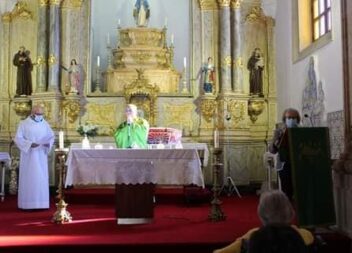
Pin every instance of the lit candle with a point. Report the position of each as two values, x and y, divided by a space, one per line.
165 24
216 138
61 139
184 62
172 39
108 39
98 61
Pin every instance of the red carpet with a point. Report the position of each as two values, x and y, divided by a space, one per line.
177 226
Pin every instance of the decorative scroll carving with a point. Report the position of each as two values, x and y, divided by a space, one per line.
52 60
236 4
256 15
71 4
6 17
227 61
207 108
224 3
72 109
21 11
178 115
255 108
208 5
143 94
22 106
237 110
103 115
43 3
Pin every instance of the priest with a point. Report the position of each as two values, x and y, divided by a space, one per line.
34 138
132 133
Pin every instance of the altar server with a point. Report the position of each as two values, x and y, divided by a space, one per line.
132 133
34 138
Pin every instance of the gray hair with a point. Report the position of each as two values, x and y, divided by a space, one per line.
275 208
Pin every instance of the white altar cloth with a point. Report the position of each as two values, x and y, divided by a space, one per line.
133 166
5 163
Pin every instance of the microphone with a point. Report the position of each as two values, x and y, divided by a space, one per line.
129 129
310 119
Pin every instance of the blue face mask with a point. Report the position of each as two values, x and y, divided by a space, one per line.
38 118
291 122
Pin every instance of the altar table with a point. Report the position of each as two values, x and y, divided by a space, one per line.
133 171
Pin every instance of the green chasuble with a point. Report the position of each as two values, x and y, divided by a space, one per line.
134 135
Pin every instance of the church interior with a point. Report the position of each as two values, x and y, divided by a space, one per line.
218 72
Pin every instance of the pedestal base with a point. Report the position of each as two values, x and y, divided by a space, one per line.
134 203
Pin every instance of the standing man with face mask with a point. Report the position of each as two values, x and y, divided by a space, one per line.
34 138
290 119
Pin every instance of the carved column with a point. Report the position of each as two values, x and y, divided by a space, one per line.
5 48
42 46
54 46
237 65
225 46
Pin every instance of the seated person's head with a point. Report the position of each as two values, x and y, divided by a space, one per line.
276 239
275 208
291 117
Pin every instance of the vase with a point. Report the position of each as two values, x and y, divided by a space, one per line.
85 143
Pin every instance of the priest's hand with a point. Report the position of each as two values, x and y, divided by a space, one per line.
34 145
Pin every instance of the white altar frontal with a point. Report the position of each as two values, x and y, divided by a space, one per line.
134 172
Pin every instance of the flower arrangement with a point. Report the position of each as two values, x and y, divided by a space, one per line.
88 130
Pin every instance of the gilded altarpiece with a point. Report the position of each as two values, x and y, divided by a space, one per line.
245 123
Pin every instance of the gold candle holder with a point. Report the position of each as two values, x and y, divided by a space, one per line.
61 215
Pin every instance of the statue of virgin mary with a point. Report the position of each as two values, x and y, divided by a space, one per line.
141 13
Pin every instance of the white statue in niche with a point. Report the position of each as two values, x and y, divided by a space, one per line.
141 13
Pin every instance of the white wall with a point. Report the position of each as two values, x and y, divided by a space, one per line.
106 13
292 77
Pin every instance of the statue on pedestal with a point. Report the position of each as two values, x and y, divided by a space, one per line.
141 13
255 66
24 72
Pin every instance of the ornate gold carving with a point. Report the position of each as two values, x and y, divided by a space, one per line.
227 61
208 5
43 3
22 106
48 108
256 15
52 60
224 3
55 2
72 109
71 4
143 94
178 115
141 37
103 115
40 60
207 108
21 11
238 62
141 57
6 17
237 110
255 108
236 4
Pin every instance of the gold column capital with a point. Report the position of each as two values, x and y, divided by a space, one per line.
6 17
55 2
208 5
224 3
43 3
72 4
236 4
